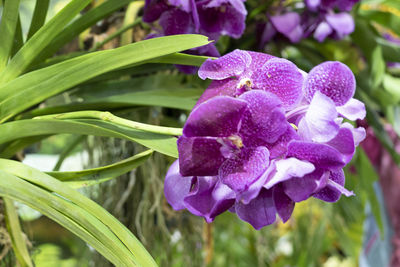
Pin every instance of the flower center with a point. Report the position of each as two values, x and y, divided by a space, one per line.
236 140
246 83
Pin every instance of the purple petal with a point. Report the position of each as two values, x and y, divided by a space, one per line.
225 87
283 204
359 133
232 64
176 21
237 4
258 60
323 30
301 188
334 188
182 4
344 143
176 187
287 169
264 118
322 156
313 4
153 10
259 212
289 25
333 79
342 23
202 202
240 172
225 20
199 156
319 124
353 110
279 148
282 78
218 117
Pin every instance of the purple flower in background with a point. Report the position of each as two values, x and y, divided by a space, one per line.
212 18
313 17
264 136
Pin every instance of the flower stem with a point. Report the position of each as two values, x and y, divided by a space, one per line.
109 117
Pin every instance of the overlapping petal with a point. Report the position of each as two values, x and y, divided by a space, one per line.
301 188
353 110
288 24
334 188
333 79
283 204
269 78
230 65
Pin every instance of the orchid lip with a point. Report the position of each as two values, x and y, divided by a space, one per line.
297 111
245 82
236 140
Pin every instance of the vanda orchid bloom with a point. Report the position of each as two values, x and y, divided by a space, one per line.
264 136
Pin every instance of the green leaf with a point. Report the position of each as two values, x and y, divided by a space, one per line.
368 177
34 87
9 21
17 238
75 28
39 16
392 85
40 40
81 203
28 128
378 67
89 177
71 216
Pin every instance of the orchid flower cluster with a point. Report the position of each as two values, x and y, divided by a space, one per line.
317 18
212 18
263 136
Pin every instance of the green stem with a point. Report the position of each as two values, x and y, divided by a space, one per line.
109 117
130 16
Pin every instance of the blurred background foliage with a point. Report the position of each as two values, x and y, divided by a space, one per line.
318 234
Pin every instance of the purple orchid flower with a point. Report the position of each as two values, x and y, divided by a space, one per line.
318 18
264 136
212 18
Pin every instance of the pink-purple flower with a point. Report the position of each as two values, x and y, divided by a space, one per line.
264 136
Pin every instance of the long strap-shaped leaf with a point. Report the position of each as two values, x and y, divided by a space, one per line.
71 216
39 16
142 257
75 28
27 128
40 40
17 238
8 25
77 179
34 87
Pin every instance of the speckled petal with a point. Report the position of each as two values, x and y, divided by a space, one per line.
288 24
259 212
283 204
334 188
225 87
229 65
176 21
286 169
263 119
279 148
321 155
237 4
353 110
301 188
218 117
344 143
322 31
153 10
333 79
176 187
342 23
240 172
319 124
199 156
201 201
282 78
258 60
